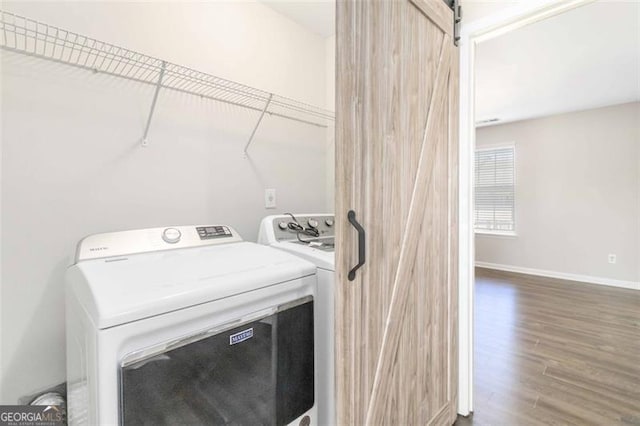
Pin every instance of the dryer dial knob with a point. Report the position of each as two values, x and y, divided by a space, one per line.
312 223
329 222
171 235
283 225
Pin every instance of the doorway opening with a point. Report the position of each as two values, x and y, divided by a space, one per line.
548 111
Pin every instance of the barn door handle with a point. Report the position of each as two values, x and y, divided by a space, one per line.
361 244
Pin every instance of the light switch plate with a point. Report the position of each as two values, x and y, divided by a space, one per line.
612 258
270 198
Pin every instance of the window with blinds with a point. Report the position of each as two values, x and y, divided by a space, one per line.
495 189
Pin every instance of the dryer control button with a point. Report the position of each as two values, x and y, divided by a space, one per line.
171 235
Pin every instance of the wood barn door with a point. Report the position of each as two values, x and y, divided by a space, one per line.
396 169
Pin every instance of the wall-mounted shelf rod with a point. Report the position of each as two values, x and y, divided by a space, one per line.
29 37
253 133
145 142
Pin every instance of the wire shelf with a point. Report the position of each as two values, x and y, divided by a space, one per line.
33 38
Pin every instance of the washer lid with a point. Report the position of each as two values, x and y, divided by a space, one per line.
321 258
118 290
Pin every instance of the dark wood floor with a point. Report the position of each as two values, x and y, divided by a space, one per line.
554 352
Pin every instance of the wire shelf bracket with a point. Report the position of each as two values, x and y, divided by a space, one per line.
253 133
36 39
145 141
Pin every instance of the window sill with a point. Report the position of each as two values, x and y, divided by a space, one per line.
508 234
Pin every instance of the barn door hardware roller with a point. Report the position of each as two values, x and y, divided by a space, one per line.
457 19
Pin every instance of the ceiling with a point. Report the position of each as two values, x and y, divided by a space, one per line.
472 10
318 16
586 58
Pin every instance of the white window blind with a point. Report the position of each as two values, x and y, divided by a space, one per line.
495 189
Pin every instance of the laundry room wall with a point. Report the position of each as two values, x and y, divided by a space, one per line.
330 77
72 163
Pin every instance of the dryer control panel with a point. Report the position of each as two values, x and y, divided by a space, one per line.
123 243
209 232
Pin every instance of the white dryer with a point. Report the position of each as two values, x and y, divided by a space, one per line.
189 325
311 237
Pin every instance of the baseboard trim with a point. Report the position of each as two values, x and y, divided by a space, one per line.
561 275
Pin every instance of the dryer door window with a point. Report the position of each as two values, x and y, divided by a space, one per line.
259 373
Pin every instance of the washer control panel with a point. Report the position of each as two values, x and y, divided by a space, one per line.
286 227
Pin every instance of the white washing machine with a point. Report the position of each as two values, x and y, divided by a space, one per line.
189 325
311 237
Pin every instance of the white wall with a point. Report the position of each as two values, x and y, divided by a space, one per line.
72 164
330 46
577 194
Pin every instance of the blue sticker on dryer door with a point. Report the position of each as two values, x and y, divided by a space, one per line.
241 336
